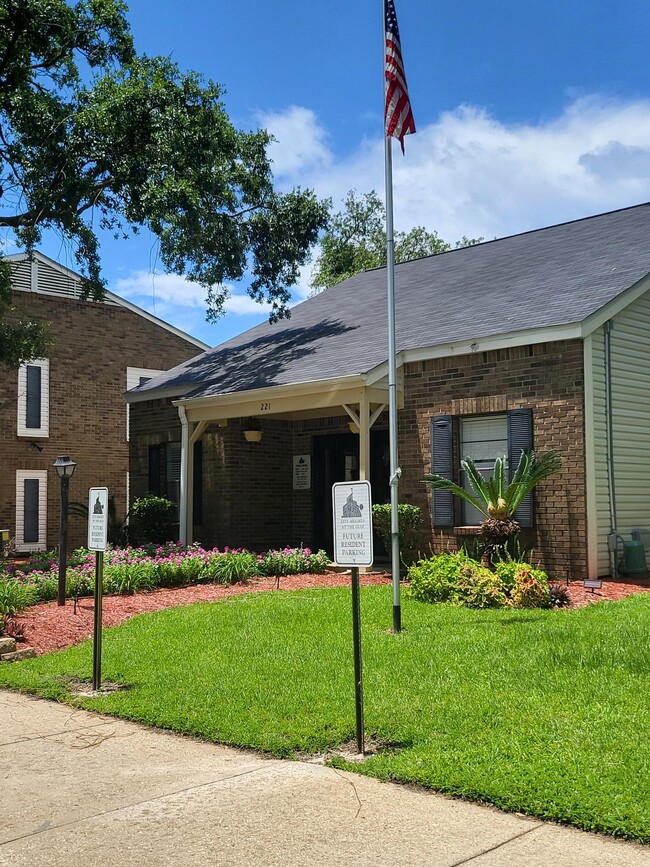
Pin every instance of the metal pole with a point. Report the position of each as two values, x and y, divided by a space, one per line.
97 630
395 471
358 672
63 539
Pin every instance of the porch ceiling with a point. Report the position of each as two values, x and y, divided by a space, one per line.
311 400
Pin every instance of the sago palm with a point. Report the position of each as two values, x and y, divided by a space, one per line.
497 498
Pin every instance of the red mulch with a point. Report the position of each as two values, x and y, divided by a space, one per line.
48 627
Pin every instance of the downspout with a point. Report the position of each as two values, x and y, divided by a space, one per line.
182 510
609 430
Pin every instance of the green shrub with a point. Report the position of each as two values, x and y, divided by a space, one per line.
292 561
229 567
478 587
527 587
15 596
127 578
151 520
409 519
434 579
507 569
457 579
531 589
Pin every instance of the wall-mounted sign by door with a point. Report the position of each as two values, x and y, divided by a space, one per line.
301 472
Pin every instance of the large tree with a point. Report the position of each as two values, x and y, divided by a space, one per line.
93 135
355 240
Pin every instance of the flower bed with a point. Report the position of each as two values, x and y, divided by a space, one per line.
127 570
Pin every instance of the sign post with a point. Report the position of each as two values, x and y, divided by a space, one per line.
352 510
97 540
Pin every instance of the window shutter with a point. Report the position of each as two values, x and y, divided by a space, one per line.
173 472
197 502
30 511
520 438
442 463
154 470
33 405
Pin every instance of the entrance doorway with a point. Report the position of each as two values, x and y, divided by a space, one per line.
336 459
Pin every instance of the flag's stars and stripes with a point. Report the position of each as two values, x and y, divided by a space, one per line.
398 114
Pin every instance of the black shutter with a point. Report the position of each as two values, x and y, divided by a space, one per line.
520 438
197 502
442 463
30 510
154 470
33 403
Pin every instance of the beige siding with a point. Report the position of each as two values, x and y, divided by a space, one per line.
630 352
631 397
595 415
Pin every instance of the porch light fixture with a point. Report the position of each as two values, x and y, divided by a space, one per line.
354 427
252 431
64 469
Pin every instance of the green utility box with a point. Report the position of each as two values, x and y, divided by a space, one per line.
633 558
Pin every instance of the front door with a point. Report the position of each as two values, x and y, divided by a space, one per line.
336 459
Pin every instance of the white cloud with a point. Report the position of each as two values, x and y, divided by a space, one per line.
471 174
163 293
466 174
301 142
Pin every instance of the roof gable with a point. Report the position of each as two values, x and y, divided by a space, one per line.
37 273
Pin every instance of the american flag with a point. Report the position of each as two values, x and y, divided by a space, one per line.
398 114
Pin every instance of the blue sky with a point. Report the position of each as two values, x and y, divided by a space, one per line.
528 114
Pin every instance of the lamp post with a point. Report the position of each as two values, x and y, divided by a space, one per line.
64 469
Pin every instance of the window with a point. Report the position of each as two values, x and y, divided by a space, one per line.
34 398
165 474
483 438
137 376
31 510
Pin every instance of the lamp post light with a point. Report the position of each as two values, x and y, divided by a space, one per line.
64 469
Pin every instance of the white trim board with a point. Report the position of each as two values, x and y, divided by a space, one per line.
21 477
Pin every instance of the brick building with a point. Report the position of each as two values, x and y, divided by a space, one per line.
540 340
72 402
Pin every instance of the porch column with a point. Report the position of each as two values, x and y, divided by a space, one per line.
185 475
364 437
195 430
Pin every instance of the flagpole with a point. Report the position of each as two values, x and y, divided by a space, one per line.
395 471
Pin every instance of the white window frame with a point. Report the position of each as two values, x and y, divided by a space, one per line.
133 375
44 429
471 516
21 477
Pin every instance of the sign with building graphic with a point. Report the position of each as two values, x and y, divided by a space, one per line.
352 508
301 472
97 519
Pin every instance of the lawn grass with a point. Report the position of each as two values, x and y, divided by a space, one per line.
543 712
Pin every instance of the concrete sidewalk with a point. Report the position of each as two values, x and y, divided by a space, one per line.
88 790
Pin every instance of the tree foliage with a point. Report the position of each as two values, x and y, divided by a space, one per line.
94 136
355 240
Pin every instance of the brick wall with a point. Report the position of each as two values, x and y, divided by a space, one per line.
248 496
93 344
546 377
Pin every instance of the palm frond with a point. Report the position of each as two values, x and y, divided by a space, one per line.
439 483
479 484
498 476
531 470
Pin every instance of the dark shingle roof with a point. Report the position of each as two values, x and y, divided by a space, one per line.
545 278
